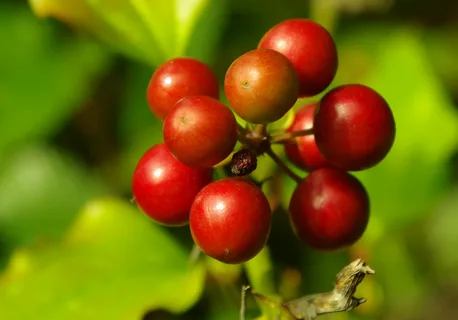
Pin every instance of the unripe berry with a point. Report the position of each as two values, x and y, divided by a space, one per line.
261 86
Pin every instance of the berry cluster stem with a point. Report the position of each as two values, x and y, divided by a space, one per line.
282 165
286 137
258 141
260 130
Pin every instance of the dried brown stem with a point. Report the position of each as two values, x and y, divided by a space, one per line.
282 165
339 299
243 302
287 136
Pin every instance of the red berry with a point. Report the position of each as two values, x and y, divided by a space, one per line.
200 131
261 86
176 79
310 48
329 209
354 127
164 188
304 153
230 220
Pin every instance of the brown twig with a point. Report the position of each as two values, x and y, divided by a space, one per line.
338 300
243 302
287 136
282 165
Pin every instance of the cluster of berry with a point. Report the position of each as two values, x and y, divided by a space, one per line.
350 128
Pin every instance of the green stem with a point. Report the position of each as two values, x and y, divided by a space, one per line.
287 136
194 255
283 166
260 130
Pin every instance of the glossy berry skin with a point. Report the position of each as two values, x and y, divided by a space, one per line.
261 86
354 127
230 220
304 153
200 131
329 210
176 79
164 188
309 47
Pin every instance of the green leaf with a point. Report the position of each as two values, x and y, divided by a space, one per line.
112 264
441 45
414 174
260 273
442 239
138 128
208 31
40 192
149 30
43 77
129 19
405 288
79 13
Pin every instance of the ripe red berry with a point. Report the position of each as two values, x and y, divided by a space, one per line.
230 220
261 86
354 127
329 209
176 79
164 188
200 131
310 48
304 153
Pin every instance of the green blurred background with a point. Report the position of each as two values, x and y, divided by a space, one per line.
74 122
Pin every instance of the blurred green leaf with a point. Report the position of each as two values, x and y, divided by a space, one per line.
40 193
77 13
206 36
404 286
288 185
415 173
441 46
271 310
442 239
260 274
138 128
44 76
134 114
112 264
136 21
149 30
